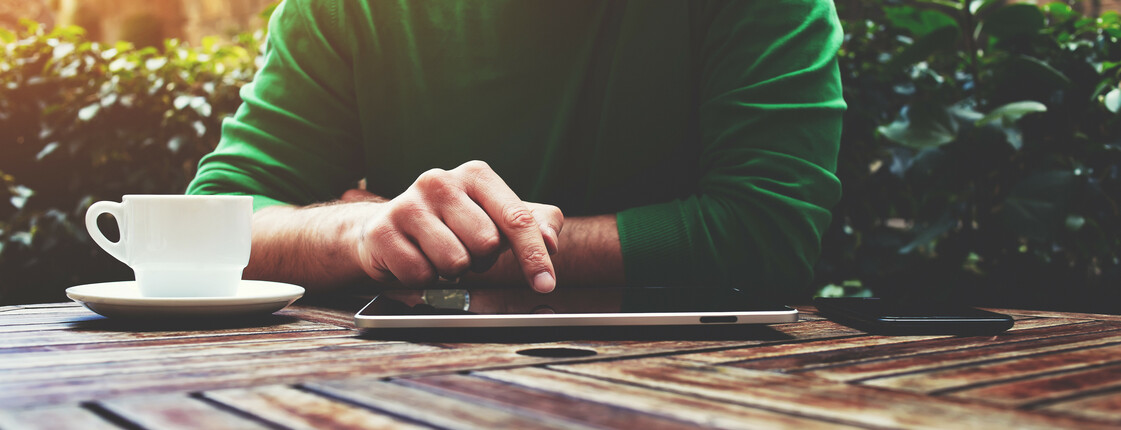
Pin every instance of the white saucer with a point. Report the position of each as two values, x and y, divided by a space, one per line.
123 299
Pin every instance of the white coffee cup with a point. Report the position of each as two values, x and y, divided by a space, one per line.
179 246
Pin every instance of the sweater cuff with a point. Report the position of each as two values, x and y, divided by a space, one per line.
655 245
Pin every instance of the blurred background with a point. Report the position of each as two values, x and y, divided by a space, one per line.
981 154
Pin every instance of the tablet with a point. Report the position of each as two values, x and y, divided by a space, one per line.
522 307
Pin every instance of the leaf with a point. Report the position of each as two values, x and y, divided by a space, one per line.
20 194
976 7
1041 71
1037 206
87 113
942 39
181 102
918 22
47 150
7 36
1113 100
936 229
921 127
1012 112
1014 20
155 63
1060 12
1075 222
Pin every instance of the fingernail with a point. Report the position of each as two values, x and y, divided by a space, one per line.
544 282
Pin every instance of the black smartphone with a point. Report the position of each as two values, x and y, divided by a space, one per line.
880 316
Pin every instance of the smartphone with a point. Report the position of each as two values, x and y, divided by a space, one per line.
522 307
882 316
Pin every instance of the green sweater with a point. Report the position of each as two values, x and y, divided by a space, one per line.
710 128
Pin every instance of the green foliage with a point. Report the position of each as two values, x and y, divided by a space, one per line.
981 155
81 122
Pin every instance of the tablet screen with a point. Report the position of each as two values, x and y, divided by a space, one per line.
515 301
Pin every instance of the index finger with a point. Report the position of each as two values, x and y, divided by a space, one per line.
514 219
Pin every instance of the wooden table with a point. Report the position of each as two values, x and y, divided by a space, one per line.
62 366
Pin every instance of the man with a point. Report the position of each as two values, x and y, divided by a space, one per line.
688 143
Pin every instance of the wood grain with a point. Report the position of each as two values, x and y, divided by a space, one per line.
952 355
873 357
1046 389
698 411
1056 314
811 397
859 345
306 367
300 410
53 418
433 409
175 411
533 402
152 362
999 367
1103 407
127 332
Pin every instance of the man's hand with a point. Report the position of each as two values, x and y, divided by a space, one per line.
449 222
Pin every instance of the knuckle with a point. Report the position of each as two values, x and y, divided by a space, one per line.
431 178
534 258
417 277
489 243
405 210
459 265
476 166
518 216
554 212
437 185
381 234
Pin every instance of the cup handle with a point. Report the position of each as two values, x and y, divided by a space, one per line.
116 249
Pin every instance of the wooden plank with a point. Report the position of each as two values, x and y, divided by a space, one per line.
291 408
532 402
884 356
699 412
47 316
179 375
48 365
1046 389
988 373
811 397
53 418
1103 407
128 331
948 358
433 409
1055 314
80 349
335 317
812 351
189 374
175 411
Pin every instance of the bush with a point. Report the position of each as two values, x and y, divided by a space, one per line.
981 155
82 122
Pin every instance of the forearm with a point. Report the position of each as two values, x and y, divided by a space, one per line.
308 246
589 255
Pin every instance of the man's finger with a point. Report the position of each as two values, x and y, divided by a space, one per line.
516 221
443 249
550 219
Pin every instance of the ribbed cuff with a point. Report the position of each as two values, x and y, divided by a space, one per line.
655 244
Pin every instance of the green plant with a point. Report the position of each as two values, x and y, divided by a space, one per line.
81 122
981 154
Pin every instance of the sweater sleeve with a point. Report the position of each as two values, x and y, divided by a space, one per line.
294 140
770 112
